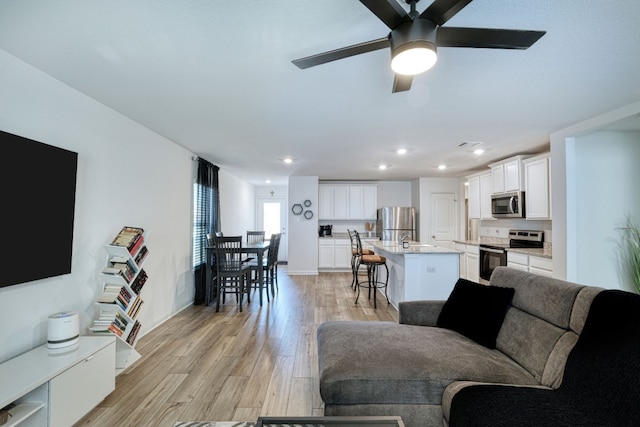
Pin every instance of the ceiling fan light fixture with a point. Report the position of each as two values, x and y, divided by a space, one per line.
414 58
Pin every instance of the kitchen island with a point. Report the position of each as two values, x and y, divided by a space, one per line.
419 272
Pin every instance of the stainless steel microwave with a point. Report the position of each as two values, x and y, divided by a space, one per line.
508 205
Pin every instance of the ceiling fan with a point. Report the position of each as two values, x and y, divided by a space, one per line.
415 37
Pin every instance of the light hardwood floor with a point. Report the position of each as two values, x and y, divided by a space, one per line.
231 366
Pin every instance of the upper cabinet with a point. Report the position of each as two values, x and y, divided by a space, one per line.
480 190
347 202
507 175
537 186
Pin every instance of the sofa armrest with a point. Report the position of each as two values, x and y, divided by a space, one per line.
419 313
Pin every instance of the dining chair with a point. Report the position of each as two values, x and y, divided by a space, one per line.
275 262
264 275
232 273
254 237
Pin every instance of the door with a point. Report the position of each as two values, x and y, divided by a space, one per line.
272 218
444 220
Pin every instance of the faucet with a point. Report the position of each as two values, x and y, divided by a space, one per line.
402 237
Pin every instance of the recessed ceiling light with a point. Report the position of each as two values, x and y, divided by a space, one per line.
401 151
442 167
466 183
382 167
267 181
288 160
478 151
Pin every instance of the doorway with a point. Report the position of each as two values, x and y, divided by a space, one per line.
444 219
272 218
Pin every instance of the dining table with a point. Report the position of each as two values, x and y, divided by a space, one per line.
257 249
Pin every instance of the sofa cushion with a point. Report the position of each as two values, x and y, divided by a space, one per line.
364 362
476 311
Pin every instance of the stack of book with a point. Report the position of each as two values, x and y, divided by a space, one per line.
137 284
131 339
115 294
135 307
130 238
109 322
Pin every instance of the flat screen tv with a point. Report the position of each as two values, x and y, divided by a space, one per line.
38 191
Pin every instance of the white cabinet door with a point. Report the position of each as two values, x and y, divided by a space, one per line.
486 189
463 259
341 202
342 253
497 173
537 198
473 266
474 197
80 388
356 202
325 253
512 176
325 201
370 202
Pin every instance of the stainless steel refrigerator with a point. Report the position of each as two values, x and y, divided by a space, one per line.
395 222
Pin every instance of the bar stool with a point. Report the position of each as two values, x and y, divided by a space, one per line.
373 263
355 257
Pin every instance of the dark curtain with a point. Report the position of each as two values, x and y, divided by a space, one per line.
206 221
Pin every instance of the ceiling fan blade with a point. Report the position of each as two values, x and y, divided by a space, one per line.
388 11
345 52
489 38
440 11
401 83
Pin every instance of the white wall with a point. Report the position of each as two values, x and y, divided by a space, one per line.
303 233
127 175
607 173
237 205
567 188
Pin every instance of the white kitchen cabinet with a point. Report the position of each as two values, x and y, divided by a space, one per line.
518 261
341 202
472 259
369 202
58 387
486 189
463 258
479 192
507 175
325 201
325 253
347 202
341 253
334 254
537 187
541 265
474 196
531 263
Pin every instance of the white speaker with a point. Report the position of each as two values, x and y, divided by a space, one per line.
63 329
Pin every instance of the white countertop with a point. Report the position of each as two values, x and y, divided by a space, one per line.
414 248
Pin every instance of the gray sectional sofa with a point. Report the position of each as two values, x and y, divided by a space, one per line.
415 368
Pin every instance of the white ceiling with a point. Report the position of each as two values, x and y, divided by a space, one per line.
216 77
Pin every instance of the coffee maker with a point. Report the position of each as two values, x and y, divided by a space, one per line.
324 230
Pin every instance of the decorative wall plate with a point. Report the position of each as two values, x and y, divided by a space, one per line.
297 209
308 214
307 203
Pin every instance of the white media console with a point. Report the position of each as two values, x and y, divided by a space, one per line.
57 387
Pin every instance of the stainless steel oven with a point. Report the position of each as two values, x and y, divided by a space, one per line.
491 257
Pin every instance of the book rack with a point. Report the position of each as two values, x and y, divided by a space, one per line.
120 303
